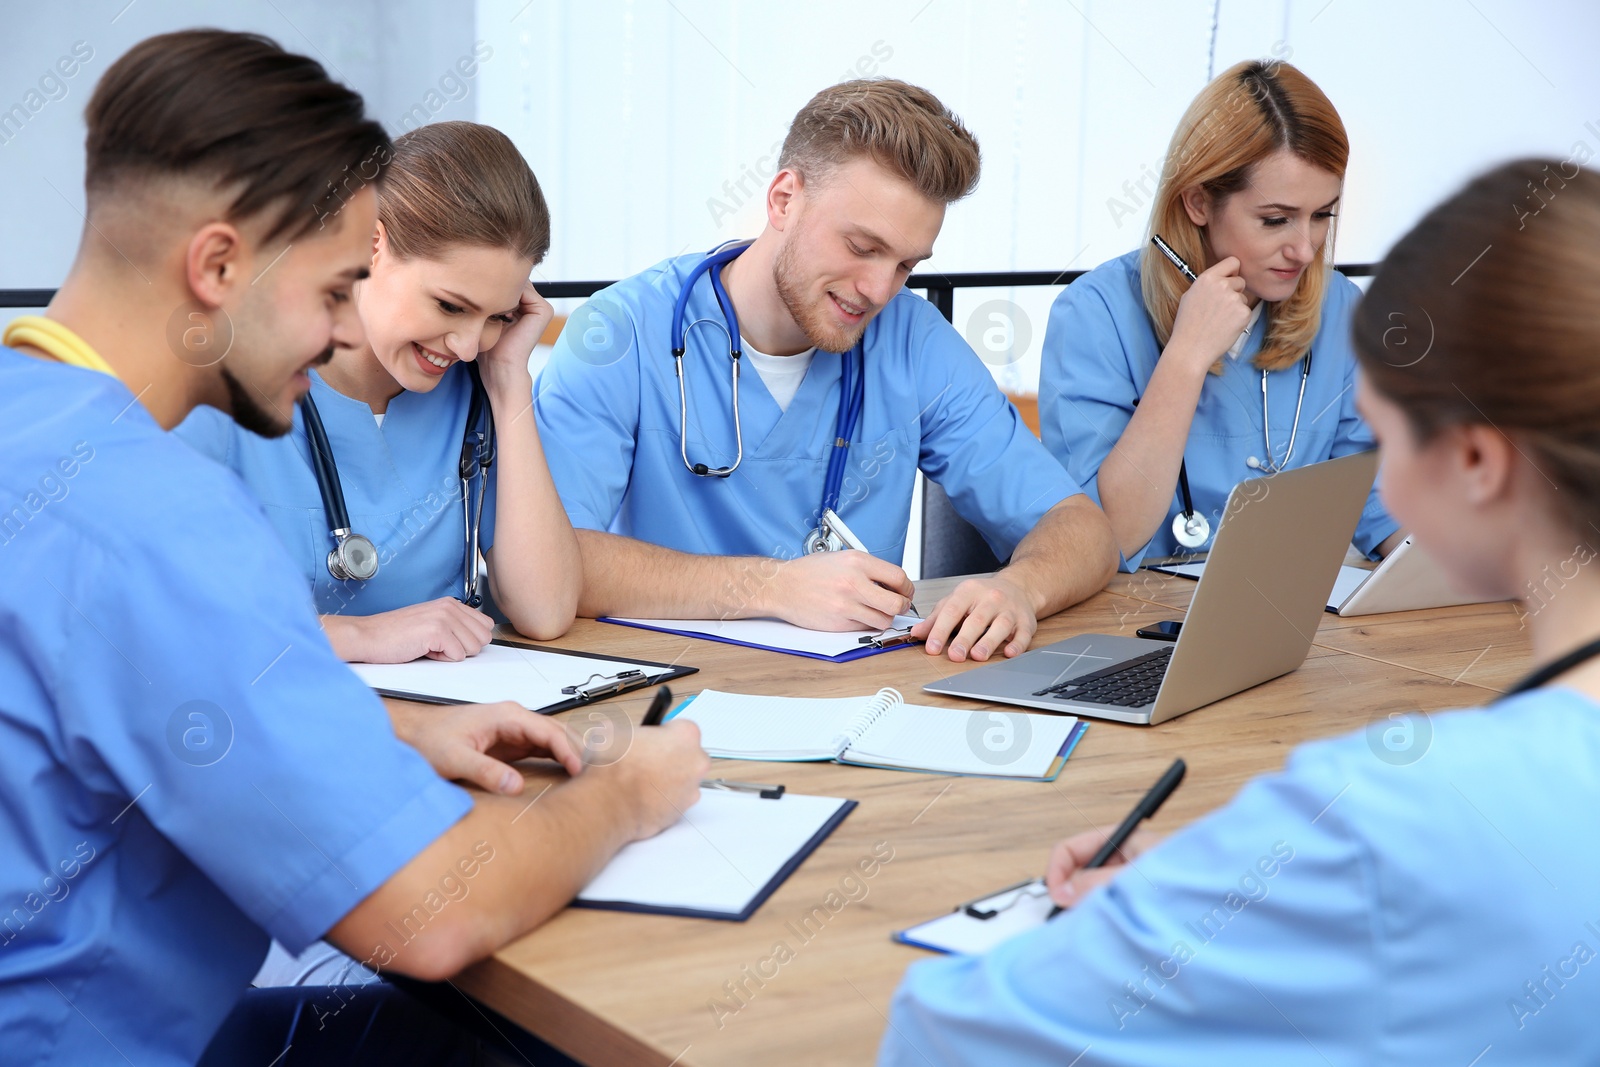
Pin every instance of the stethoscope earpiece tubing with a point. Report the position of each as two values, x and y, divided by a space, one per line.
322 466
852 381
680 344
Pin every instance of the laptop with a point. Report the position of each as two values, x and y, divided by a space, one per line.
1408 579
1252 619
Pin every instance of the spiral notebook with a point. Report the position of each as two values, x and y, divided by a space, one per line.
882 730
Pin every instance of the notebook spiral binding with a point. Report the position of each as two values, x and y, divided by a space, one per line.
882 702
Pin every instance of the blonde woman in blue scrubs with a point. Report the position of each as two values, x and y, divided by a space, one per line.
461 224
1147 376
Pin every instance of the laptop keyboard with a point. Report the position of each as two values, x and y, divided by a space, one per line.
1133 683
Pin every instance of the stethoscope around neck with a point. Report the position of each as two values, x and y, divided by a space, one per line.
852 393
354 557
1192 529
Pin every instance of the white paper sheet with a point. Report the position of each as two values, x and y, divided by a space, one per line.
1343 586
772 633
718 857
531 677
741 726
961 934
945 740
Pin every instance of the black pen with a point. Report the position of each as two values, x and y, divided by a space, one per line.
658 707
1141 811
1177 260
1188 272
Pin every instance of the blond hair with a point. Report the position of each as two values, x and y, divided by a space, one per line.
1249 112
901 127
461 183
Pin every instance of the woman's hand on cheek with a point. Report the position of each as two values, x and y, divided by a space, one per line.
505 366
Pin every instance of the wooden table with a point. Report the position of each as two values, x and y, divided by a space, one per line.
613 988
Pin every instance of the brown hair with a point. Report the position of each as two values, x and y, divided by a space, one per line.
1249 112
237 110
902 128
461 183
1485 313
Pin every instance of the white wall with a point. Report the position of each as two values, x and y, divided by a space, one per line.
394 53
652 123
649 122
641 117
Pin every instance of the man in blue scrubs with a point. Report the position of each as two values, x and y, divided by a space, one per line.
865 175
186 769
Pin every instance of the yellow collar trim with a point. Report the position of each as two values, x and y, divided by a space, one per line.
55 341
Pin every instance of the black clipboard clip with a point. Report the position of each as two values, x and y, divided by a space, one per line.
607 685
890 638
766 792
1018 893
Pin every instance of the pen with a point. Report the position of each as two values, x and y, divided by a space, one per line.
836 524
1177 260
769 792
1141 811
658 707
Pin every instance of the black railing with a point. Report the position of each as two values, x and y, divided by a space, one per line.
940 288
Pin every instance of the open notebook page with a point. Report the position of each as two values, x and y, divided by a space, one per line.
957 741
734 726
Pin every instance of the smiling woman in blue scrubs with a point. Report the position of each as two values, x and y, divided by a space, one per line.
1146 376
461 223
1422 891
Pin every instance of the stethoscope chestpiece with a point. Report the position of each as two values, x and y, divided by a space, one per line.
819 541
1191 529
354 558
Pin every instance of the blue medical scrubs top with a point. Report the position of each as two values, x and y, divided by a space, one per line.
401 483
186 769
608 411
1100 350
1418 893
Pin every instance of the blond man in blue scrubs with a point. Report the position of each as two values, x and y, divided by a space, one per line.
690 505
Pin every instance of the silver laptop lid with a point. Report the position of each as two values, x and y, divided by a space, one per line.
1265 588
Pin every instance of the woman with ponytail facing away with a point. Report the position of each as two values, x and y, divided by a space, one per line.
1365 905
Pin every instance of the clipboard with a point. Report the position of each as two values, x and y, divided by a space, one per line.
553 686
976 926
773 635
722 860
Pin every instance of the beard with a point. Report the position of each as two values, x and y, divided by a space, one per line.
254 412
813 319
